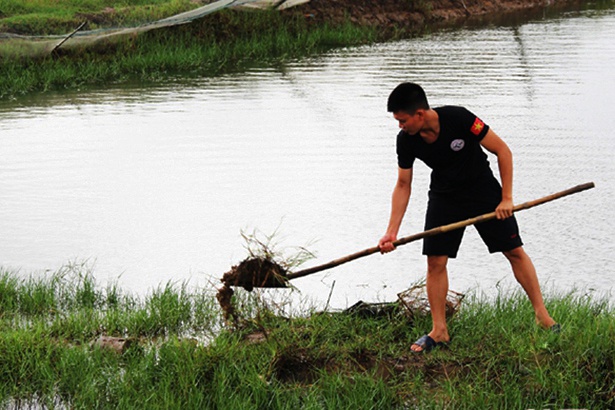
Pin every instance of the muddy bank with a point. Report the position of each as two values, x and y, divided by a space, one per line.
404 16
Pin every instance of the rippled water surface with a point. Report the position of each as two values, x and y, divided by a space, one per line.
151 185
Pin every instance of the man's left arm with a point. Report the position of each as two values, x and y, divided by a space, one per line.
499 148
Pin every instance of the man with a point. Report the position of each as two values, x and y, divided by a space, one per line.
450 140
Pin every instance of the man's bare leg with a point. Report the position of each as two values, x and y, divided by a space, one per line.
525 273
437 289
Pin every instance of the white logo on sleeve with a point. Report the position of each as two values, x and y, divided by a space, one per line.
457 145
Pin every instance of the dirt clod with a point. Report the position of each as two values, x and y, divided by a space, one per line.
225 297
256 272
250 273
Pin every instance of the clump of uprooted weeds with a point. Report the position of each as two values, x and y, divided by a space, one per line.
265 267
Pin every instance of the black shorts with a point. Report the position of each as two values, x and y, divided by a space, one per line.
443 209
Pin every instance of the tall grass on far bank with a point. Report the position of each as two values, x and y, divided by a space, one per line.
226 41
498 357
52 17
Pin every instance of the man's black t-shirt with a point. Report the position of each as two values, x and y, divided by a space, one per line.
456 157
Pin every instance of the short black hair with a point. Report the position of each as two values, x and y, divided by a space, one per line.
407 97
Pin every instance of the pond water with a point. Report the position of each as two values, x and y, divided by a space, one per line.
153 184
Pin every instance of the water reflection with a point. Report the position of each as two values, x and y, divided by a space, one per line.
155 184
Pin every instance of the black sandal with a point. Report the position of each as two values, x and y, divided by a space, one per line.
427 344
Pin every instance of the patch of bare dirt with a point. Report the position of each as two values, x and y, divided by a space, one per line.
305 365
300 366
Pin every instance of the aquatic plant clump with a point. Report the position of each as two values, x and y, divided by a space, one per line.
251 273
256 272
265 267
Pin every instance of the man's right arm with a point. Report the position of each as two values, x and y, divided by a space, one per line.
399 203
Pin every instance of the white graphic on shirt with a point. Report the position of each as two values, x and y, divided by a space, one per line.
457 145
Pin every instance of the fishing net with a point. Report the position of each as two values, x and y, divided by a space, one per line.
20 46
416 303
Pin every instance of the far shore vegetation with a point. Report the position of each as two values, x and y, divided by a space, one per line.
223 41
176 351
232 39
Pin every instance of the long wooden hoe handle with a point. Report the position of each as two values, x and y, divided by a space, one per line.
439 230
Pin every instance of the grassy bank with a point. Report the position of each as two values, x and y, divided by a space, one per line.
51 17
226 40
181 355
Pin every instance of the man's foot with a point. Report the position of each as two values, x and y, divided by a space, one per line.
426 343
546 323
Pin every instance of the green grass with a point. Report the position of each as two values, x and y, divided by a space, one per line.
39 17
183 356
227 40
